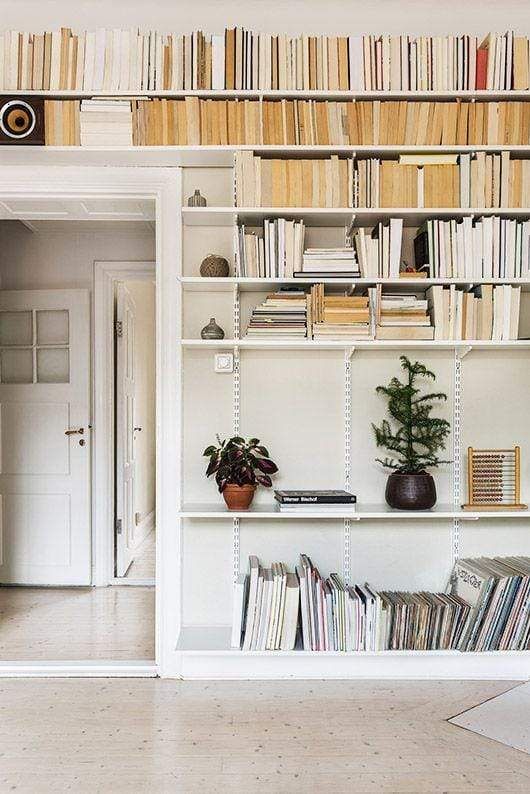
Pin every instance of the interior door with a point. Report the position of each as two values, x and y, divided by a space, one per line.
125 458
45 437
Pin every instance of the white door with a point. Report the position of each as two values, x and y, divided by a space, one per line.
45 437
125 458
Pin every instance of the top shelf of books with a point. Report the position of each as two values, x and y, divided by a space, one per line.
111 61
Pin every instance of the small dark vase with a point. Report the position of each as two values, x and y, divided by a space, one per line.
410 491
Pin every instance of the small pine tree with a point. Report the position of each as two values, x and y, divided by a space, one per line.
419 436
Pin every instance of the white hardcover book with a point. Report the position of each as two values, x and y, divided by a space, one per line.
151 60
396 230
218 62
133 60
506 311
88 66
238 609
124 49
99 59
115 65
266 609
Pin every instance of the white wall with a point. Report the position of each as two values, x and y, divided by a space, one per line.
143 294
62 254
290 16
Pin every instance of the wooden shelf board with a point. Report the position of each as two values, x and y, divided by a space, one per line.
363 512
202 284
340 216
287 344
277 94
205 653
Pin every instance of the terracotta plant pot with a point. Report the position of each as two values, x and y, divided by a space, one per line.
410 491
238 497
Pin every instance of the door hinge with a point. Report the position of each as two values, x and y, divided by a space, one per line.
118 328
118 526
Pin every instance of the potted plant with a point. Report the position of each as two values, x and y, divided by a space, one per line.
239 467
413 441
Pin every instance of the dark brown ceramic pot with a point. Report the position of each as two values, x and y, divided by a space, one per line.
410 491
238 497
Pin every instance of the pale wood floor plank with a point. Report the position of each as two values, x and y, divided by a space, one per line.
77 623
288 736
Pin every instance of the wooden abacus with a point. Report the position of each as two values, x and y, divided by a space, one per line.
494 479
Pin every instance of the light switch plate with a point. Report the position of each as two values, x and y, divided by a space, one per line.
224 362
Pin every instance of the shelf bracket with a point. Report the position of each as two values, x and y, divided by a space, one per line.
462 351
348 353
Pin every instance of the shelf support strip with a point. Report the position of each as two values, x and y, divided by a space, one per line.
346 565
457 456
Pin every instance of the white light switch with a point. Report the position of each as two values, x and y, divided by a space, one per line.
224 362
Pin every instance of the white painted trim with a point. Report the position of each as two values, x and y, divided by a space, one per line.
67 669
433 665
106 274
164 186
124 582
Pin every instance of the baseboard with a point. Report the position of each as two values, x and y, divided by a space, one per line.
86 669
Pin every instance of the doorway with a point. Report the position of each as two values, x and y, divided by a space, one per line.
135 430
50 606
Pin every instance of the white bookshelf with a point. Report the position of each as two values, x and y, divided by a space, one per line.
492 95
487 384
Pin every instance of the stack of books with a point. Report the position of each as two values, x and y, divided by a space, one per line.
266 608
489 247
276 254
486 313
308 501
402 316
61 123
282 315
329 263
106 122
262 182
339 317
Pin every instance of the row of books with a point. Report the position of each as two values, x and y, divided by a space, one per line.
283 315
449 181
132 60
486 313
441 313
485 608
323 182
489 247
218 122
277 253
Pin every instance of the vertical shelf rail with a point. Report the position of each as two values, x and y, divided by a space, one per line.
236 404
457 442
346 545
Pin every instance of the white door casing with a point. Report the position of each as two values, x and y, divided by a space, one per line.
125 453
45 473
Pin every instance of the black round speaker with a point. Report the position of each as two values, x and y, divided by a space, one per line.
17 119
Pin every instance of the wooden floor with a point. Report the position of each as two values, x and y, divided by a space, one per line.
81 623
143 565
166 736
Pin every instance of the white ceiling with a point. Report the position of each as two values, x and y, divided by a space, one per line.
96 209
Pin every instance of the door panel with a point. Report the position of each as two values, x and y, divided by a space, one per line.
125 459
45 473
26 452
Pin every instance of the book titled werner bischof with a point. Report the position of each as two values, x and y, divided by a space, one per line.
296 500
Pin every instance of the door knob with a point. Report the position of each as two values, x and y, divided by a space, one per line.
78 432
136 429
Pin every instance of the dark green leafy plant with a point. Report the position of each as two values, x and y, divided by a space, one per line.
240 462
414 443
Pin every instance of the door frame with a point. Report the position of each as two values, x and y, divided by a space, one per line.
106 275
163 186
